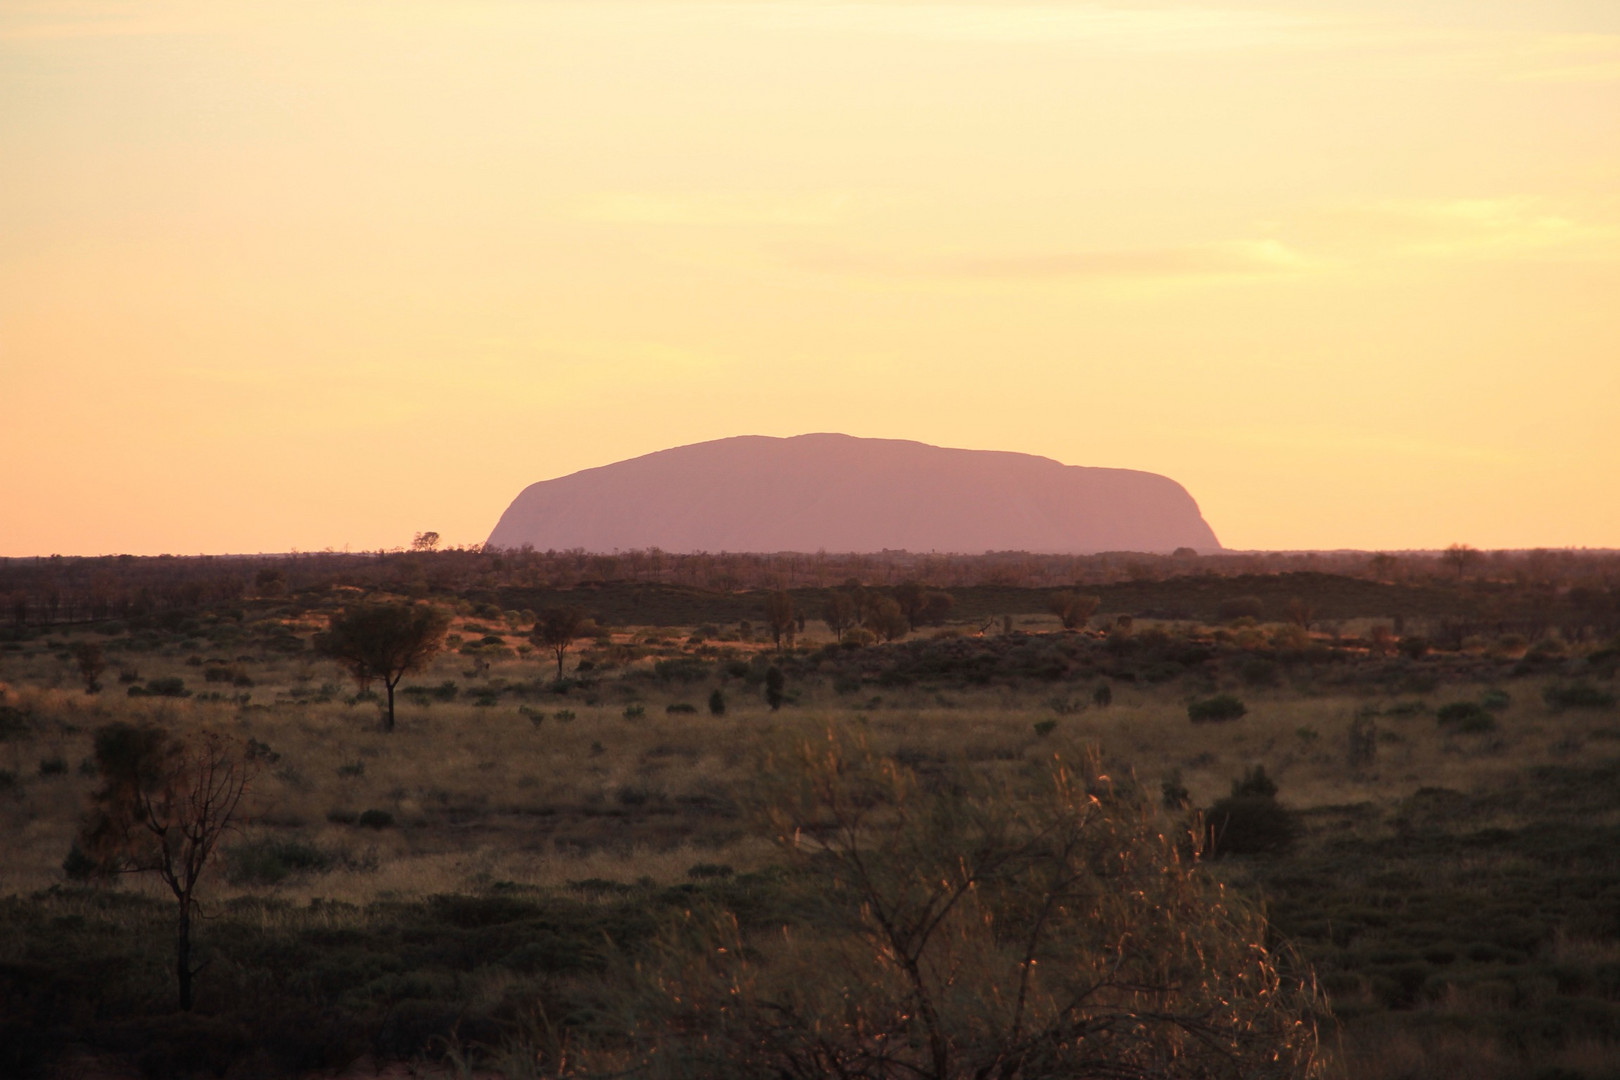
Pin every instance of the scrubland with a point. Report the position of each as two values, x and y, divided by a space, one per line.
456 888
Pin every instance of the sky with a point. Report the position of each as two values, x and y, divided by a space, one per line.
313 274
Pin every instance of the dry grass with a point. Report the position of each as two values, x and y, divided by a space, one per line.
482 794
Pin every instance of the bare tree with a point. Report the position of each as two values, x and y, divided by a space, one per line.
384 641
163 804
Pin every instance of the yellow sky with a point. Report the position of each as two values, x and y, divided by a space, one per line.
307 274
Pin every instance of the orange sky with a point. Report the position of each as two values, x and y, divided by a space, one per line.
309 274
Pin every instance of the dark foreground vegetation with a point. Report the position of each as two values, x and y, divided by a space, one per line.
630 824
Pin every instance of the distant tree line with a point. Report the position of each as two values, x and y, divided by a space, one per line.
1575 587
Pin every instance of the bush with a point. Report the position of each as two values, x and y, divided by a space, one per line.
1239 607
635 712
171 686
53 766
375 819
926 927
1218 709
681 708
1580 695
1043 728
717 703
1466 717
1250 821
269 862
1103 696
1249 825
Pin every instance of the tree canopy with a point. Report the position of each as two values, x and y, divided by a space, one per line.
384 640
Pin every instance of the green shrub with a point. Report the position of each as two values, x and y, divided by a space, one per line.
170 686
634 712
1465 717
680 708
717 703
271 861
1218 709
681 669
1578 695
1043 728
1250 821
1495 700
13 722
375 819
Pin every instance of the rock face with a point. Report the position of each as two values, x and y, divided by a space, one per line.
838 493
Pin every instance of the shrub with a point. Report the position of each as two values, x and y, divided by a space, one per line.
937 902
1103 696
170 686
1250 821
1414 647
1579 695
681 708
375 819
717 703
53 766
775 688
1466 717
1495 700
269 862
1174 793
1239 607
1218 709
1043 728
634 712
681 669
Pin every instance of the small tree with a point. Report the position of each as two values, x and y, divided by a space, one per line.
384 641
1459 557
775 688
425 541
162 807
1300 612
556 630
91 664
912 598
780 617
839 614
885 618
1073 609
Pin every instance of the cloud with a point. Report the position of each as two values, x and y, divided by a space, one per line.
1568 58
1468 228
1238 259
710 209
